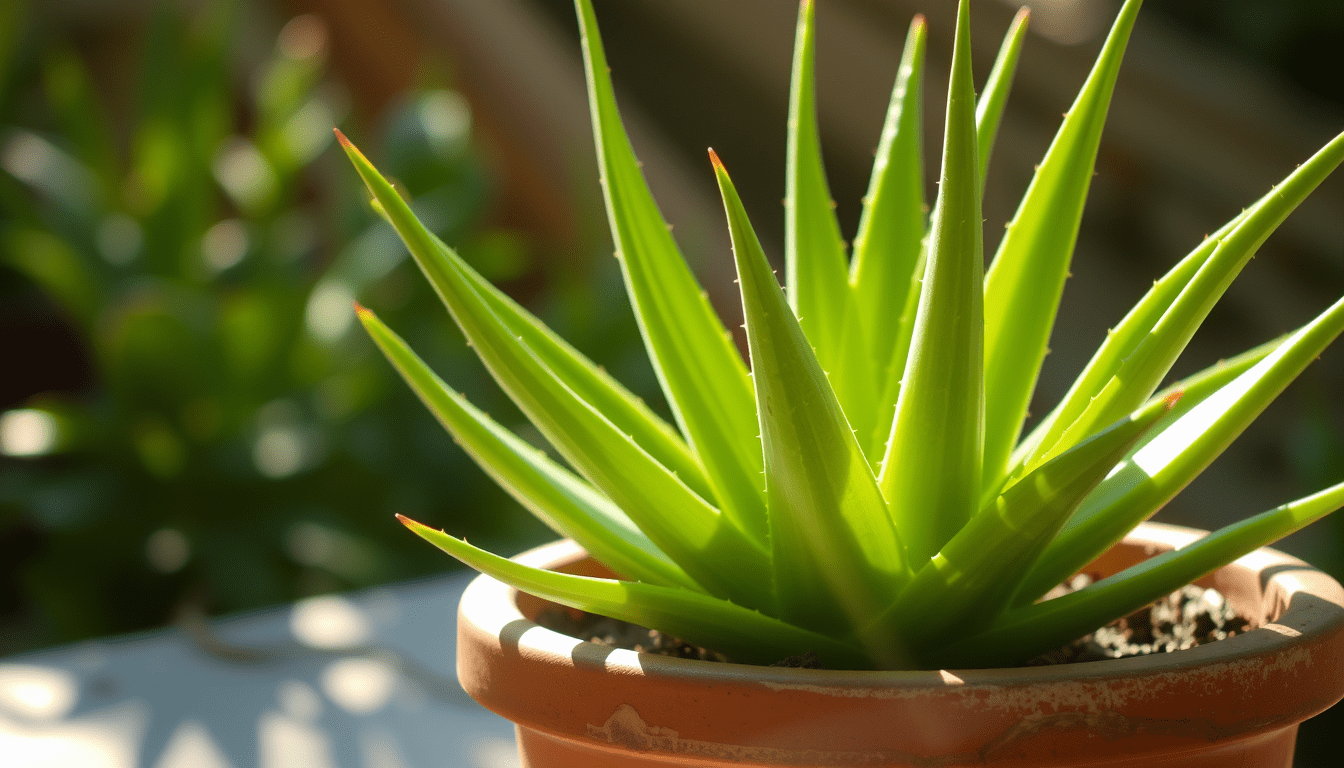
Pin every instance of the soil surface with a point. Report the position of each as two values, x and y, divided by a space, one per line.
1188 617
1184 619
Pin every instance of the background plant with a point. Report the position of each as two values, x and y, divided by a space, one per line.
925 542
232 431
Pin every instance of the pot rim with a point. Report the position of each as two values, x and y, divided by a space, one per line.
492 606
1219 700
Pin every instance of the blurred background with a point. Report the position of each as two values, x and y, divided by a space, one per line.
192 424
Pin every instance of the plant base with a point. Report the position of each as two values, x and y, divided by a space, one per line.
1234 702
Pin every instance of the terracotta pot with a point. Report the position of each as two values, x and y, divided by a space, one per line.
1235 702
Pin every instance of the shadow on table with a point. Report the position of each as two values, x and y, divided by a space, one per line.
342 681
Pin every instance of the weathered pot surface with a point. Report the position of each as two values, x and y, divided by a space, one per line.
1234 702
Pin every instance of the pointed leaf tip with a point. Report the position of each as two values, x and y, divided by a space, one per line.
714 158
350 149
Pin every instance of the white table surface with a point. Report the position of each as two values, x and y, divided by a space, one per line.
363 680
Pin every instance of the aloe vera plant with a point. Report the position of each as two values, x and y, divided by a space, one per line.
864 491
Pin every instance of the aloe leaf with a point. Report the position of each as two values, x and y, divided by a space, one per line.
814 253
887 248
1120 342
1196 388
1140 372
712 550
699 368
989 108
590 382
1025 280
931 470
1035 629
740 633
836 556
900 355
815 268
1167 462
570 506
971 580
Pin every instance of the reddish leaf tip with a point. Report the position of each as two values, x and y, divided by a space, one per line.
348 145
714 158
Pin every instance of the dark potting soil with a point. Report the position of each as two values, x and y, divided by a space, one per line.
1186 618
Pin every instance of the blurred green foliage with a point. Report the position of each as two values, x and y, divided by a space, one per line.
239 442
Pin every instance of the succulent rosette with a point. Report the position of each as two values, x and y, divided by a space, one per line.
863 488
